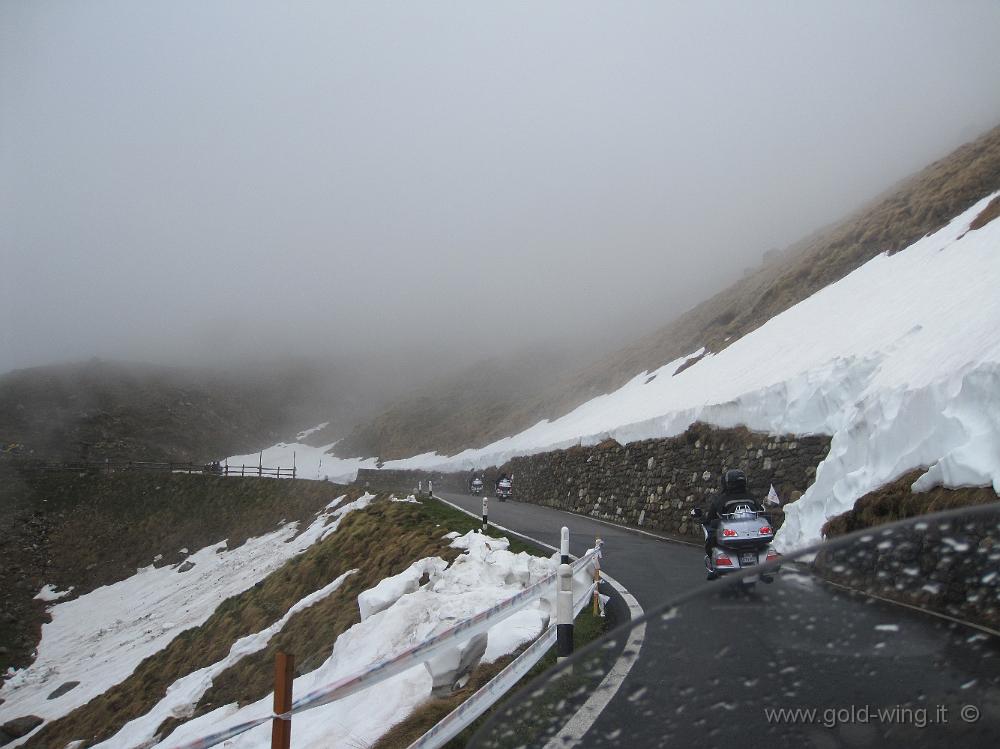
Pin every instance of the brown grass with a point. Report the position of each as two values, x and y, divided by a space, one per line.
895 501
907 212
990 212
408 531
86 531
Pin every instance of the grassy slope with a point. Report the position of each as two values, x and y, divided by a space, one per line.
468 408
103 409
919 205
895 501
86 531
409 532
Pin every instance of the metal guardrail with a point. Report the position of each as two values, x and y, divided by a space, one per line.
386 669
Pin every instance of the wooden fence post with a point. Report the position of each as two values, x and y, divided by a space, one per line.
281 728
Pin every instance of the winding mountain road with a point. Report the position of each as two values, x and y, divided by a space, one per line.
712 671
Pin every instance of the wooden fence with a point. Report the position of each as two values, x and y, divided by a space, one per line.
124 466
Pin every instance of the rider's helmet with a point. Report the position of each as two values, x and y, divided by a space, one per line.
734 481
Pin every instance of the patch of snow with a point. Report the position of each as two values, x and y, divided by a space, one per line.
899 362
314 463
306 432
49 593
183 694
477 580
100 638
391 589
410 500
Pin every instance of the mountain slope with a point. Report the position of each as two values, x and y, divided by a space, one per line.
440 420
473 406
103 409
899 362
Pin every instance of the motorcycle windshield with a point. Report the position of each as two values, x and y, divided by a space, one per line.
888 638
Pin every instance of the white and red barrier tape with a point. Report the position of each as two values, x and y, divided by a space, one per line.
386 669
462 716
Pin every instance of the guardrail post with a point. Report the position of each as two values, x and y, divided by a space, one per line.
564 601
598 544
281 728
486 512
430 488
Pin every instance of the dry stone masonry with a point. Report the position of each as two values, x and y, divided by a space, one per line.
654 483
651 484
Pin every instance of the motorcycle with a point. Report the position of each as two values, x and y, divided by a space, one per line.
504 489
742 541
477 486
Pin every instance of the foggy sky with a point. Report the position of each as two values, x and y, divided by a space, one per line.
195 180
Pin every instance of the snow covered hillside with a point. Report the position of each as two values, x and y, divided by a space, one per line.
97 643
100 638
899 362
396 615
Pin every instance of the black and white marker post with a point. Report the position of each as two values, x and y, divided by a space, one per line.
564 601
486 512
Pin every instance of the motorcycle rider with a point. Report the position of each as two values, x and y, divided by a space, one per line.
734 492
501 477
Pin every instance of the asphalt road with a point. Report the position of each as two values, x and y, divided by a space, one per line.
654 571
709 671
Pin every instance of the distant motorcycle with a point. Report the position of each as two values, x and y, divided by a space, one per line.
504 489
743 540
477 486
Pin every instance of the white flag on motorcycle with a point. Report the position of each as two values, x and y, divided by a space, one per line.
772 497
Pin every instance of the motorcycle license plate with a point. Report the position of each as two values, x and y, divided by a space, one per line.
748 557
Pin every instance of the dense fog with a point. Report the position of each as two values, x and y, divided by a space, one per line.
203 183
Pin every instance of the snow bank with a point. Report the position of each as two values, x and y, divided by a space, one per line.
899 362
311 462
100 638
183 694
391 589
486 574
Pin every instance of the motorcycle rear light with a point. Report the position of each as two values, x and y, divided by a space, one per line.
727 532
723 562
765 530
772 554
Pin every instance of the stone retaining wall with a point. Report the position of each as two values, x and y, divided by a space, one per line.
653 484
650 484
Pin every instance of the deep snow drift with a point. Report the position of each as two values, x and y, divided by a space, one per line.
899 362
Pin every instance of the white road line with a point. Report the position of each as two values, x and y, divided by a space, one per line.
581 722
584 718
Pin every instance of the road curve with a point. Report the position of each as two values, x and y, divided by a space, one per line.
707 673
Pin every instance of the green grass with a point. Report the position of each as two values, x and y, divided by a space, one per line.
455 520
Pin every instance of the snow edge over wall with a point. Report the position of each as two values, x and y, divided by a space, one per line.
899 362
